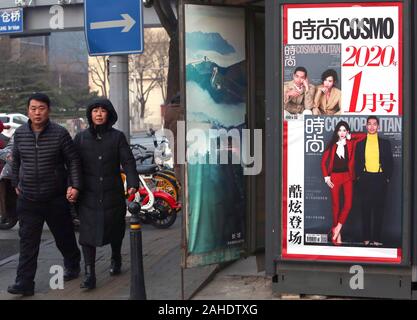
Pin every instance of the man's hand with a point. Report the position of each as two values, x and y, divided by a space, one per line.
305 83
17 191
6 126
72 194
131 191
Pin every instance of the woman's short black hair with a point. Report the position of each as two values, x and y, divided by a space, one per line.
329 73
39 97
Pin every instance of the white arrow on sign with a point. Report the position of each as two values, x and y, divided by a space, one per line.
127 23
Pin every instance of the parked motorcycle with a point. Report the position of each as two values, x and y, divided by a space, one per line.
9 218
164 177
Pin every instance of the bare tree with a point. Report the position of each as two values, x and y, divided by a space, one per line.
148 70
99 74
169 22
162 61
24 69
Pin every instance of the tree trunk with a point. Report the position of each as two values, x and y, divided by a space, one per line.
142 107
173 83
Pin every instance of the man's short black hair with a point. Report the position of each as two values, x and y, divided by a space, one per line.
301 69
372 117
39 97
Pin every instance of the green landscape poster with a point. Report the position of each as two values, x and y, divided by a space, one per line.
216 85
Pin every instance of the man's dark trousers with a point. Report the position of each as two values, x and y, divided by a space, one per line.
373 187
32 215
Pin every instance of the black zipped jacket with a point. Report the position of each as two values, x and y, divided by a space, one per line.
386 160
44 167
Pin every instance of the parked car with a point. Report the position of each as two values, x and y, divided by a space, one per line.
14 120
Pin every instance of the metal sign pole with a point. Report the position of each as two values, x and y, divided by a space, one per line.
119 91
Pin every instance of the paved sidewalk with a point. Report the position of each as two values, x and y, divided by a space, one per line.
162 259
239 281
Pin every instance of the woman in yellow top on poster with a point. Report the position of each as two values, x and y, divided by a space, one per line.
328 98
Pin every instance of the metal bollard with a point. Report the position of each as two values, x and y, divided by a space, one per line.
137 279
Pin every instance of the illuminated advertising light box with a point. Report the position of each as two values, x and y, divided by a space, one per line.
342 132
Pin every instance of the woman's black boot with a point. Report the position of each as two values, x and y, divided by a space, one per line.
89 281
116 258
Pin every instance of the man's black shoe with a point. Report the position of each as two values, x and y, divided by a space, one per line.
20 289
71 274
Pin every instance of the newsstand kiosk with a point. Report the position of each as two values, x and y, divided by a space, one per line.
333 206
340 208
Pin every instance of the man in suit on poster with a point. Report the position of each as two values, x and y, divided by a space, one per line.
373 166
298 93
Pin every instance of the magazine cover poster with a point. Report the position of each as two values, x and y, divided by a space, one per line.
321 215
342 132
318 62
370 40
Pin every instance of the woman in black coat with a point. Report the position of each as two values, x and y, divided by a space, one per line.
101 205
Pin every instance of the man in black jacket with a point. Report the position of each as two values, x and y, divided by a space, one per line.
45 170
373 166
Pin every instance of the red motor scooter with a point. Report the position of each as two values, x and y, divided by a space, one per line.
157 207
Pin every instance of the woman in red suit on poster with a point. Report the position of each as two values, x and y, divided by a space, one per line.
338 167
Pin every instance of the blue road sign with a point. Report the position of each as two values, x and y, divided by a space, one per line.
113 27
11 20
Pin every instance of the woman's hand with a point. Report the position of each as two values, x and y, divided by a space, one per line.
306 84
72 194
329 182
131 191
